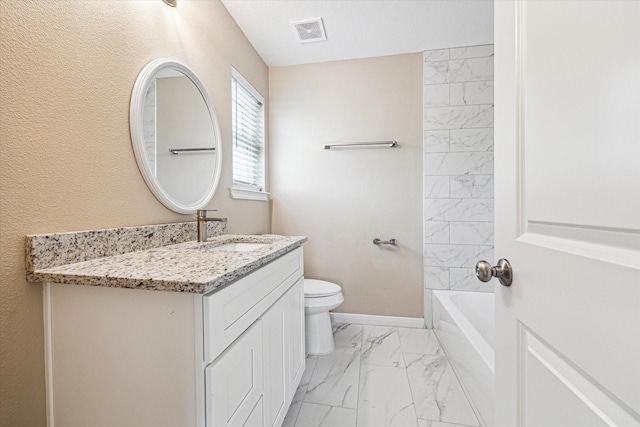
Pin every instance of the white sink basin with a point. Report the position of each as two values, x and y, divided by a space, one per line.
239 247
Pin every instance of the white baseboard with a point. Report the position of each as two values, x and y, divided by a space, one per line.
368 319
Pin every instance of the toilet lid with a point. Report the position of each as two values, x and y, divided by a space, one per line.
319 288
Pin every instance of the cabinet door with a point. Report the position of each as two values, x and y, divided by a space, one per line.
284 358
275 322
255 418
234 382
296 357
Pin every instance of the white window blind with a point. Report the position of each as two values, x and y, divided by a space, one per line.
248 135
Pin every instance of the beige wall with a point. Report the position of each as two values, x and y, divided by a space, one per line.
342 199
67 69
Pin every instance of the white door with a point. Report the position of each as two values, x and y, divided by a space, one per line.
567 85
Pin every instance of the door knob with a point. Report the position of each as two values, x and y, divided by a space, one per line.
484 272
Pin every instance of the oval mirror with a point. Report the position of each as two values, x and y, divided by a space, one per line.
175 135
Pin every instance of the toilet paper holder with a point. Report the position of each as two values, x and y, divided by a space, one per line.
377 241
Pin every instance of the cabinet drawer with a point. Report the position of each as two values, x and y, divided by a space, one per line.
230 311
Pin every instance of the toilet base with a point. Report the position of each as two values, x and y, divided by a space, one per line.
319 335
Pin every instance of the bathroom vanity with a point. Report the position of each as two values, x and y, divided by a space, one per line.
189 334
144 326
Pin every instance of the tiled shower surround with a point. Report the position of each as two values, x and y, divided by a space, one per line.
149 125
458 168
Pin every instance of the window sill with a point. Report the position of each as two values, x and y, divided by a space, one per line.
244 194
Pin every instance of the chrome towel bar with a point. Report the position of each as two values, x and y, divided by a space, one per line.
392 242
389 144
190 150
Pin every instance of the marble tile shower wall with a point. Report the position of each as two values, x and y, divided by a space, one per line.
149 125
458 166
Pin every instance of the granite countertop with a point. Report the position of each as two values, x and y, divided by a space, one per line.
186 267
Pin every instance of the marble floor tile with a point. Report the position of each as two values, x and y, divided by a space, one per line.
422 341
294 409
437 393
308 370
335 378
429 423
347 335
381 346
385 398
313 415
365 382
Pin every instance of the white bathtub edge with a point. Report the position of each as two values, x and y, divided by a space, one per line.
484 350
455 334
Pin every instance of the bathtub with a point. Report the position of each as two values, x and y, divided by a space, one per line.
464 324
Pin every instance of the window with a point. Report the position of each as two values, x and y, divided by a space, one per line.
248 140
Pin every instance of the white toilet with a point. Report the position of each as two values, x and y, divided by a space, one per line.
319 298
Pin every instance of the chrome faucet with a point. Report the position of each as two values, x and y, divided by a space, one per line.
202 219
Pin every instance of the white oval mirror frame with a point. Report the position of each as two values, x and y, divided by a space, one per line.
136 124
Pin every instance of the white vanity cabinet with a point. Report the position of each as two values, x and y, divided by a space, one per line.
260 371
123 357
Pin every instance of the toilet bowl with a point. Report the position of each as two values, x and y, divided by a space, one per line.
319 298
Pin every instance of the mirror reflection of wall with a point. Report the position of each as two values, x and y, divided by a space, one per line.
182 121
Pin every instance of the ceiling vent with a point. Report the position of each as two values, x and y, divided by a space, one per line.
309 30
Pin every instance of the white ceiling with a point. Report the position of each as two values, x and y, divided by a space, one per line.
361 28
